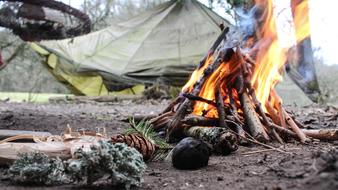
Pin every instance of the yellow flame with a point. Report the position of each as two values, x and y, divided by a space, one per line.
301 19
270 58
195 75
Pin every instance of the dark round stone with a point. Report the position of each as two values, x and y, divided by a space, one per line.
190 154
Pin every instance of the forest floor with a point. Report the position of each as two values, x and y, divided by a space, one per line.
298 169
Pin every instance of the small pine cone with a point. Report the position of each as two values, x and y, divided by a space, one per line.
141 144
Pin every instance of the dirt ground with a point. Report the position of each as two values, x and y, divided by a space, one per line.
270 170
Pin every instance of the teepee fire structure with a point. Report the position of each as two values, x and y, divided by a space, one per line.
234 87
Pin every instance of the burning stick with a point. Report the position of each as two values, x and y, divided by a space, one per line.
220 107
253 123
214 46
273 114
223 56
294 127
172 105
197 98
276 135
161 120
279 108
195 120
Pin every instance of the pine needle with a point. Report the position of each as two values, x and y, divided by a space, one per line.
146 130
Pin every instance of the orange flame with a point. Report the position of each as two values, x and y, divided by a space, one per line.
270 59
195 75
209 88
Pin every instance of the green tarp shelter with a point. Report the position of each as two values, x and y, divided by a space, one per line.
162 45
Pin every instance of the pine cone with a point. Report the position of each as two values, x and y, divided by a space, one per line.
141 144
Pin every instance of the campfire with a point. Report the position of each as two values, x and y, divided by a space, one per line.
234 85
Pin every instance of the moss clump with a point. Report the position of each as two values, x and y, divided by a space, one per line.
38 169
118 162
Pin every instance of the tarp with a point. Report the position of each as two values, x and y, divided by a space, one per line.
162 45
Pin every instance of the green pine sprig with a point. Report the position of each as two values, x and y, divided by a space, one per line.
146 130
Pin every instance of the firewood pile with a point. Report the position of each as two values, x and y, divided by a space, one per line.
233 88
235 103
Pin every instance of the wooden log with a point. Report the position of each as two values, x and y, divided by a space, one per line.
220 107
233 108
161 117
276 135
195 120
251 119
322 134
284 131
248 86
272 113
172 105
222 140
161 124
301 63
279 107
294 127
4 134
198 98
